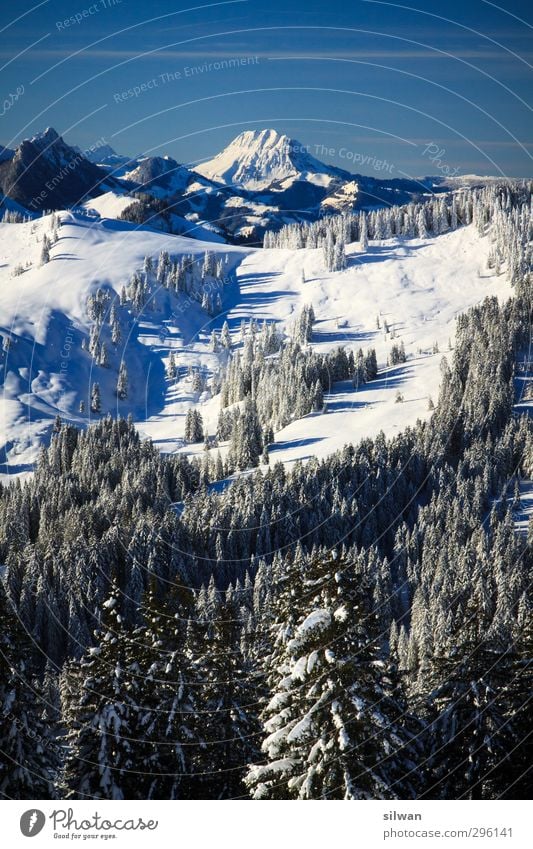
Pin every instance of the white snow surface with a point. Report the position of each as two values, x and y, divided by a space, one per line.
316 621
312 626
417 286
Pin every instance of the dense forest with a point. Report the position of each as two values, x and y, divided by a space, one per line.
357 627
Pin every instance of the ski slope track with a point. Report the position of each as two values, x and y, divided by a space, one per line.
416 286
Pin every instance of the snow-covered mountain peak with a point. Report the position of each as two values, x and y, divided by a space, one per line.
257 158
103 153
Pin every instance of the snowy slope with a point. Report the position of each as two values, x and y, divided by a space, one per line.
113 204
416 286
43 314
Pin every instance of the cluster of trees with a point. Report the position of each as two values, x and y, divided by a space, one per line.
397 354
101 310
436 216
292 383
334 250
357 494
336 228
49 241
247 441
303 326
12 216
405 670
127 720
194 426
158 213
395 667
106 333
111 317
504 209
152 740
509 213
331 234
146 209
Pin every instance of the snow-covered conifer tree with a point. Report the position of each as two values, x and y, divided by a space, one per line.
29 750
122 382
96 403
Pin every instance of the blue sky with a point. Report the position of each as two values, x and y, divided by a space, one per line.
358 82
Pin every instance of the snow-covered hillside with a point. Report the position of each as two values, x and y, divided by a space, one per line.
414 288
44 322
112 205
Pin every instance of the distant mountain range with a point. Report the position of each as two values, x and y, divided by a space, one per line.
261 180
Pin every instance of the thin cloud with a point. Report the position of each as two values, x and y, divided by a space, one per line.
120 53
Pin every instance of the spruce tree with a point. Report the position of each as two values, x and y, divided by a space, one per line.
102 707
172 370
227 724
363 236
470 735
122 382
30 754
45 250
332 723
225 337
169 696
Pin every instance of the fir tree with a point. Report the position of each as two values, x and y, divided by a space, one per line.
122 382
363 237
102 706
332 722
225 337
30 755
96 403
172 370
45 250
226 688
194 428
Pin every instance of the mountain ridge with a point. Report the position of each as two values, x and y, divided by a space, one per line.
261 180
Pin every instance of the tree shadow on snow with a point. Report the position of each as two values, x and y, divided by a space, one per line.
293 443
381 253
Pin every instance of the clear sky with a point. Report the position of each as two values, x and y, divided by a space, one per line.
363 84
